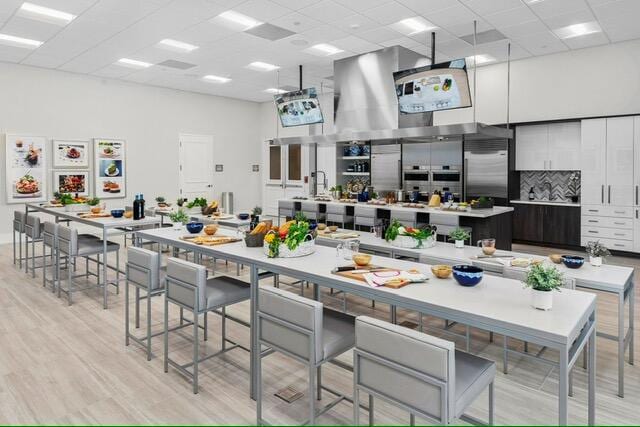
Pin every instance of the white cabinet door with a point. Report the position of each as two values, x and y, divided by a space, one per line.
564 146
619 191
593 137
636 230
636 163
532 147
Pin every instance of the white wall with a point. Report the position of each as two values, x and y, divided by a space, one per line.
64 105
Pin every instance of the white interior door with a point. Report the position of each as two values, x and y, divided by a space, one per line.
593 152
196 166
620 161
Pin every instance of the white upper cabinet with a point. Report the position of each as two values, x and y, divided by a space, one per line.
620 161
564 146
593 155
554 146
532 147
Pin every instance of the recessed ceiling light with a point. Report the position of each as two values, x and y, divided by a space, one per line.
481 59
577 30
534 1
262 66
275 91
51 14
133 63
244 21
216 79
6 39
411 26
177 45
325 49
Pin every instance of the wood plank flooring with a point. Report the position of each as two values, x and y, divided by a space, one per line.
69 365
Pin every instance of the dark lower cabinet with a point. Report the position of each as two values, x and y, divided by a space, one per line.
547 224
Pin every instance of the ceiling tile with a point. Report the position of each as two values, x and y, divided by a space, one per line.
355 24
360 6
262 10
379 35
548 8
324 34
294 4
510 17
30 29
326 11
356 44
426 7
524 29
565 19
296 22
466 28
487 7
616 10
13 54
389 13
457 14
541 43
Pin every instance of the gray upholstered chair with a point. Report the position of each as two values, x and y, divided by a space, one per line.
188 287
303 330
33 234
73 246
143 271
419 373
18 227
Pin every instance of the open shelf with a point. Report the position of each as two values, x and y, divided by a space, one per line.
355 157
356 173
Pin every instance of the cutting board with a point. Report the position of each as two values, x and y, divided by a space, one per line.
360 277
210 240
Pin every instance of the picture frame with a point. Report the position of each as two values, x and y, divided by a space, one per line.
109 164
70 154
26 168
71 182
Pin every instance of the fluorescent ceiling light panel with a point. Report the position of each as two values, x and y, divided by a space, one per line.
216 79
577 30
411 26
132 63
8 40
275 91
262 66
324 49
35 11
482 59
243 21
177 45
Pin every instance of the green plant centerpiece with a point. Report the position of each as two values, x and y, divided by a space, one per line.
409 237
459 236
597 251
293 239
543 281
161 201
198 202
179 218
93 201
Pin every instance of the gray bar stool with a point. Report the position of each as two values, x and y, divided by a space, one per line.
421 374
33 234
18 227
50 241
187 286
73 246
303 330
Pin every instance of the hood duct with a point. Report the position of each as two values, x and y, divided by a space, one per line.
366 106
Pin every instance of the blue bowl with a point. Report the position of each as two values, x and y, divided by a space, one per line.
243 216
572 261
195 227
467 275
117 213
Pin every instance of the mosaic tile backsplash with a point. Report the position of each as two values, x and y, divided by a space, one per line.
561 184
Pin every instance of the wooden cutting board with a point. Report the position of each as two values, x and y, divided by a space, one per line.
360 276
210 240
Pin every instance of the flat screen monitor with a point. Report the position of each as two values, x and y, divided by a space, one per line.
436 87
298 108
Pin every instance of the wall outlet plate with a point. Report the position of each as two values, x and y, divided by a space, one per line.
219 168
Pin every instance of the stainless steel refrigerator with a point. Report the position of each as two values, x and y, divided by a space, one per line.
386 167
486 170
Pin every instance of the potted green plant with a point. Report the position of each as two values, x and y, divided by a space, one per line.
597 251
179 218
458 237
181 201
543 281
161 201
573 188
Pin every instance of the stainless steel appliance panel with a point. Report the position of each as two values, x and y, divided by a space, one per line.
385 167
486 168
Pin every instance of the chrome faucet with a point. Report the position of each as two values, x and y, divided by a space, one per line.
325 183
548 184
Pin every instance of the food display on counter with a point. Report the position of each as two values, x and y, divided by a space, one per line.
482 203
409 237
292 239
412 205
323 198
453 206
377 202
348 201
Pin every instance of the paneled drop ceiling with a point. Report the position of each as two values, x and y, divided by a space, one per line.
176 43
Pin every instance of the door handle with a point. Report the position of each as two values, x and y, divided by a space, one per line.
609 194
602 194
636 194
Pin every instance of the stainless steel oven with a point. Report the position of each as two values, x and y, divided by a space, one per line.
416 178
446 178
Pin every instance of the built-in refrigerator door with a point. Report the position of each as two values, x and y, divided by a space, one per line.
486 168
636 229
386 164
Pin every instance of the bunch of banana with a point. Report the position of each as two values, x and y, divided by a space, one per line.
261 228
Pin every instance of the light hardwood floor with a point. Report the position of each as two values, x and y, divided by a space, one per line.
69 365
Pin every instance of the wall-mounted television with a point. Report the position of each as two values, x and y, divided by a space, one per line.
437 87
298 108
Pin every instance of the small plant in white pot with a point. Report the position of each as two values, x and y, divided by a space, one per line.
458 236
597 251
543 281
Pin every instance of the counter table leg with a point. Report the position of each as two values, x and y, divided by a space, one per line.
563 390
591 348
104 267
632 303
621 342
255 350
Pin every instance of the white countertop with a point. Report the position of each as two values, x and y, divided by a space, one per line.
545 202
475 213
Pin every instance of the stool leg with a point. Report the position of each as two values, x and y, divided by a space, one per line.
206 327
195 352
86 267
181 316
126 312
58 280
319 383
137 307
505 356
259 391
117 272
44 265
412 420
33 258
166 334
370 410
148 326
491 405
224 328
312 401
70 286
356 405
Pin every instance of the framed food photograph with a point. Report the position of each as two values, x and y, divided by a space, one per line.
26 168
109 168
70 154
71 182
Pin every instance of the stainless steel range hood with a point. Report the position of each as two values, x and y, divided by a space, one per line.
366 106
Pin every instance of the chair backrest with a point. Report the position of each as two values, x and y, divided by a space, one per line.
407 366
67 240
32 227
18 221
291 323
187 283
143 268
50 234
